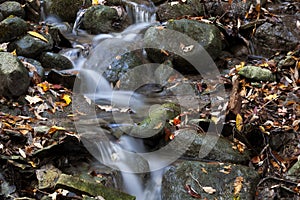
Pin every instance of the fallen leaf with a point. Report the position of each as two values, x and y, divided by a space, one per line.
239 122
22 153
33 100
37 35
192 192
44 85
67 98
209 190
238 184
53 129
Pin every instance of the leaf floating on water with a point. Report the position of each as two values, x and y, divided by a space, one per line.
37 35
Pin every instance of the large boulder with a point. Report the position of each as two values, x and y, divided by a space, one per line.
51 60
103 19
270 38
66 10
223 180
183 40
14 78
11 28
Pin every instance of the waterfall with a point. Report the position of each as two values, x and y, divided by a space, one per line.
140 13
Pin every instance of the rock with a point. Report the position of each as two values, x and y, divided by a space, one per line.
12 28
14 79
270 38
66 10
219 176
92 188
207 35
51 60
30 46
170 10
294 172
257 73
12 8
102 19
47 176
67 79
214 148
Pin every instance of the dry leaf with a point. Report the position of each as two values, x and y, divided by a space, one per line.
209 190
239 122
67 98
33 100
37 35
22 153
44 85
238 184
53 129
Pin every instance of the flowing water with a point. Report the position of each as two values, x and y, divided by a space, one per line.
123 154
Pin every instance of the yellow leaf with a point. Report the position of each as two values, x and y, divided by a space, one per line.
240 66
44 85
53 129
67 98
37 35
239 122
94 2
14 52
271 97
238 184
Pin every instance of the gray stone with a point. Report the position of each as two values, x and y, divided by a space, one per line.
257 73
11 28
66 10
219 176
102 19
187 33
12 8
55 61
270 38
30 46
169 10
14 78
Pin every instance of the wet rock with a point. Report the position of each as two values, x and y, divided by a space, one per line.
213 147
67 79
33 66
30 46
257 73
66 10
51 60
92 188
172 10
219 176
11 28
184 43
12 8
14 79
270 38
103 19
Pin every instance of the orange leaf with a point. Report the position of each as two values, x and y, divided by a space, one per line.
239 122
53 129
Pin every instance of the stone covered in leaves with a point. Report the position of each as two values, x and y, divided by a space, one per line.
14 78
191 179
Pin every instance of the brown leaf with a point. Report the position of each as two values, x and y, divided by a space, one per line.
238 184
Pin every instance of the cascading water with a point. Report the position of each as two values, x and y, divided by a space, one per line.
121 154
